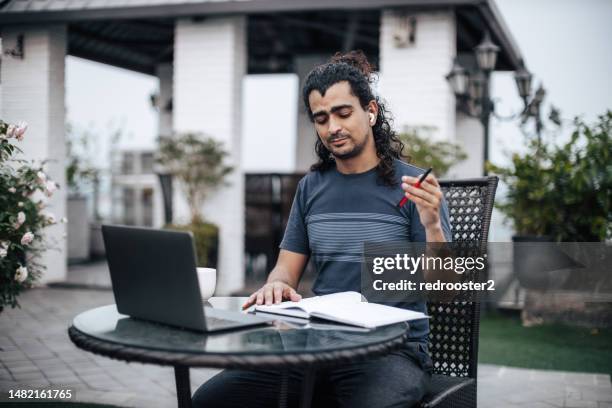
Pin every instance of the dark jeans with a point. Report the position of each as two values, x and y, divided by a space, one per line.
399 379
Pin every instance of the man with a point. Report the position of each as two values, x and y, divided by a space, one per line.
350 195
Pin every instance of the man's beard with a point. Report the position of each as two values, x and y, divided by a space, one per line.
354 152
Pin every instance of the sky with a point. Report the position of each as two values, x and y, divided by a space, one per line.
565 43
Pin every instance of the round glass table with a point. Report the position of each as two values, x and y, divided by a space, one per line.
283 344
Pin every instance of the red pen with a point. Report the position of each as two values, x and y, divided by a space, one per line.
404 199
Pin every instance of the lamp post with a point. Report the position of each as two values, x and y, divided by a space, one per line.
472 90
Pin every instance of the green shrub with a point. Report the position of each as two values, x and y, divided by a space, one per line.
563 191
424 152
198 162
206 237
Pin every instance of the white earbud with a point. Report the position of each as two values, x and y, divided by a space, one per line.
371 118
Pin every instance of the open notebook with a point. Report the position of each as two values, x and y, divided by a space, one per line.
343 307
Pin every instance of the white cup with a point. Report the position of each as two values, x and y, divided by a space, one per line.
207 278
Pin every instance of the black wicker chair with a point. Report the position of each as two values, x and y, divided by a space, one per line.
454 327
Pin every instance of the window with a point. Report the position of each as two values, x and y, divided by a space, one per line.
146 163
127 164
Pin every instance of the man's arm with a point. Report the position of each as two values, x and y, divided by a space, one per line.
428 200
282 281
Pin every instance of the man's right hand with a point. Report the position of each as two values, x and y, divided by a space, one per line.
272 292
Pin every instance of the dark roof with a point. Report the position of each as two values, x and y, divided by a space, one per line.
138 34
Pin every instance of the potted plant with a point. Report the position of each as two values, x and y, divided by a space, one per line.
24 190
559 193
198 163
79 173
563 192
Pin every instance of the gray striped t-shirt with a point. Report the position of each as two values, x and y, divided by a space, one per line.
334 213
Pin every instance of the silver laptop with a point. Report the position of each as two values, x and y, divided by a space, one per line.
154 278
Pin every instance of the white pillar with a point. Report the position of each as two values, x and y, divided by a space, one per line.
165 75
470 138
412 78
33 91
306 136
209 65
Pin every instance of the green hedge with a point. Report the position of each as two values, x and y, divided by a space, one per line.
206 238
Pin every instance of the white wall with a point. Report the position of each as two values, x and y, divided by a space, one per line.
469 135
412 79
33 91
209 65
269 123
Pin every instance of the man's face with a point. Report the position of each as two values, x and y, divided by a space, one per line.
342 124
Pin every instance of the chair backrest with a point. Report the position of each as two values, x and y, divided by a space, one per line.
454 327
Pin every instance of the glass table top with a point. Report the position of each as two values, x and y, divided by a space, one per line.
283 336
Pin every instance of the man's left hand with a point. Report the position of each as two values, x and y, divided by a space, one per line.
427 198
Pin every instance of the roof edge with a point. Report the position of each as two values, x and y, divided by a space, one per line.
191 9
498 26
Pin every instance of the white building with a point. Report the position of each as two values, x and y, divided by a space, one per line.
135 189
200 50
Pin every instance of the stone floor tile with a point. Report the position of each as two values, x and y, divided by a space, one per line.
580 404
103 380
28 376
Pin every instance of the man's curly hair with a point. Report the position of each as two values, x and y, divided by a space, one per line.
354 68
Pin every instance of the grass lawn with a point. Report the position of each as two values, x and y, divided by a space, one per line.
504 341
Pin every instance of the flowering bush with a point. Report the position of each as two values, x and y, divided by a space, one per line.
24 190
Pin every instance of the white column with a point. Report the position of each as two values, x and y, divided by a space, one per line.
165 75
33 91
412 78
209 65
470 137
306 136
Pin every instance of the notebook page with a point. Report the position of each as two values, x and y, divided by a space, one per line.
369 315
305 307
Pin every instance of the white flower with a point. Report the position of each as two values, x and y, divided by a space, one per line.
20 204
4 249
12 190
10 131
21 217
21 274
41 177
49 217
27 238
50 188
20 130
